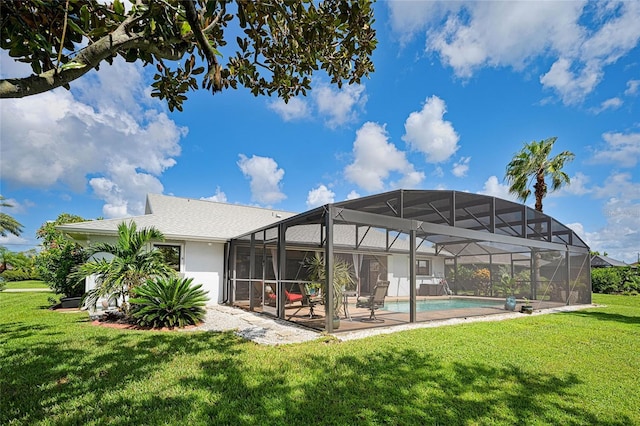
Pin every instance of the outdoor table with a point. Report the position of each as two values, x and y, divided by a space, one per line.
345 302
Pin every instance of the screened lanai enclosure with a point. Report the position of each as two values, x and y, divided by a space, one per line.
407 256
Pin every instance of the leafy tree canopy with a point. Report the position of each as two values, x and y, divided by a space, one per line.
59 256
274 46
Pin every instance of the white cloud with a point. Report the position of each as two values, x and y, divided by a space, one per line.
572 86
353 195
427 132
264 176
577 186
340 106
621 234
632 87
581 38
622 149
612 103
618 185
15 207
295 109
320 196
375 158
494 188
12 240
102 129
461 167
219 196
438 172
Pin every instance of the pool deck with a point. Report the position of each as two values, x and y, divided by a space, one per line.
359 317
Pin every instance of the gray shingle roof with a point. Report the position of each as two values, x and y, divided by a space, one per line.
188 219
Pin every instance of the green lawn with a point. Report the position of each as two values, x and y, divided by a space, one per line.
578 368
26 284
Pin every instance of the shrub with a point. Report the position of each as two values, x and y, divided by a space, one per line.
17 275
615 280
168 302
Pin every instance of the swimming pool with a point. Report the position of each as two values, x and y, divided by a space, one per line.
442 304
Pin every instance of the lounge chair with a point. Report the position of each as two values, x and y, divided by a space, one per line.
374 301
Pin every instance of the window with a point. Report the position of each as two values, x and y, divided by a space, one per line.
171 254
423 267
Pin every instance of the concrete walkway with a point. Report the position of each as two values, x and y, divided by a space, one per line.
26 290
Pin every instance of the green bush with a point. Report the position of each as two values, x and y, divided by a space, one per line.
168 302
615 280
17 275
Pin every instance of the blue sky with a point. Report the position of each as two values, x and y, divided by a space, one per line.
458 88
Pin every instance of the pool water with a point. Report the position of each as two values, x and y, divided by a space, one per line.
441 304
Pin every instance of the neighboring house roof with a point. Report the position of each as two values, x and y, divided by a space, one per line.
599 261
186 219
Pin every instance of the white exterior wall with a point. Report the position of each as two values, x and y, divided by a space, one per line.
204 262
398 274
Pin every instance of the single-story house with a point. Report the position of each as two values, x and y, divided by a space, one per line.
601 261
415 240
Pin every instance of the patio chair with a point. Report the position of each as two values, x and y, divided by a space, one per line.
308 301
374 301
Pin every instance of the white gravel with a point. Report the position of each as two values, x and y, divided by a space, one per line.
266 330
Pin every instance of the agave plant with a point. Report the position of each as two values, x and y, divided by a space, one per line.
168 302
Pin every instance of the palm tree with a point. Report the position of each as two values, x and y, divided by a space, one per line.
533 162
7 223
133 261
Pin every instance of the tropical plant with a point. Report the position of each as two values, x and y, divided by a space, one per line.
482 281
342 278
60 256
8 225
619 279
533 162
22 265
131 262
275 46
168 302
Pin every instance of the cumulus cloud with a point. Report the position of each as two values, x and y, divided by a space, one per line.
295 109
632 87
102 128
340 106
621 149
572 86
320 196
618 184
461 167
577 186
353 195
265 178
612 103
620 236
427 131
219 196
494 188
375 158
581 38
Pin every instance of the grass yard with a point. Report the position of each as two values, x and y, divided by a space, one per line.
26 284
578 368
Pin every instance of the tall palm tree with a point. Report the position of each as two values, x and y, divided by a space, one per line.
132 262
533 162
7 223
